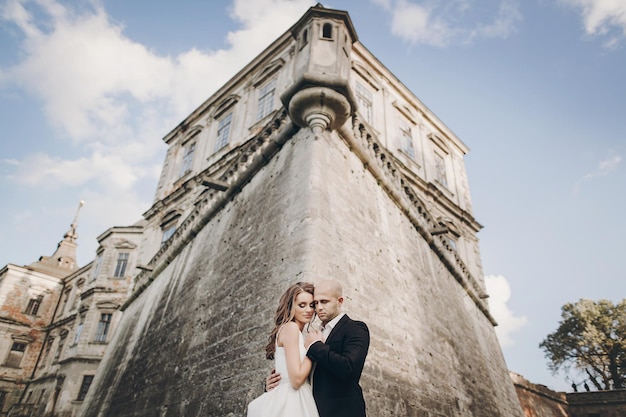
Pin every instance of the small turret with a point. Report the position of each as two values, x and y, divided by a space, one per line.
321 97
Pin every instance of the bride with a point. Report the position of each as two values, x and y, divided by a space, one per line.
293 397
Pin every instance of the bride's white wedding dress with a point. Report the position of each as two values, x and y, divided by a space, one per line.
284 400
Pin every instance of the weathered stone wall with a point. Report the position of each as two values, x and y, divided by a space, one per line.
432 351
597 403
192 343
539 400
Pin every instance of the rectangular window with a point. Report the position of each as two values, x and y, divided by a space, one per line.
452 243
57 355
84 387
46 353
406 139
120 268
103 327
168 232
41 396
186 165
33 305
96 268
14 360
364 98
440 170
79 330
66 298
223 132
266 99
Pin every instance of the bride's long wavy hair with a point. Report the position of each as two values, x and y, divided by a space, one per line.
285 313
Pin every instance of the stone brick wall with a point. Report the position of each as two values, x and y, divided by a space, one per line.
432 351
539 400
597 403
192 343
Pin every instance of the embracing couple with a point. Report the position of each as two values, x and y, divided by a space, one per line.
317 374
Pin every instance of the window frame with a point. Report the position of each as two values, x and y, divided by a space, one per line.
266 99
60 346
406 138
33 306
169 225
97 267
186 164
102 330
121 264
441 170
3 399
223 131
79 330
84 387
15 356
327 31
365 100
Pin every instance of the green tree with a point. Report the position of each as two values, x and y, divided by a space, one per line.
592 339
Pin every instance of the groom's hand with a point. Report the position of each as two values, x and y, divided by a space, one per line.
313 337
272 380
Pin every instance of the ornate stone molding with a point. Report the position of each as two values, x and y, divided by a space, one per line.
251 157
364 143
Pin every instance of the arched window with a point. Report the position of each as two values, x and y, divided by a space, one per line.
169 224
327 31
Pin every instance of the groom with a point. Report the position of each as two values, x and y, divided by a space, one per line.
338 352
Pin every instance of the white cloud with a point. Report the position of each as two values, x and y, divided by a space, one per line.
114 96
111 99
499 295
604 168
110 169
503 24
603 18
417 24
452 21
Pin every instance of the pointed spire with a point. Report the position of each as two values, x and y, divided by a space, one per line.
71 235
63 260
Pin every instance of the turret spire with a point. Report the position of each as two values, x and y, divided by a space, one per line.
71 234
63 261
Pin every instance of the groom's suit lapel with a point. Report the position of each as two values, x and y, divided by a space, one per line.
335 329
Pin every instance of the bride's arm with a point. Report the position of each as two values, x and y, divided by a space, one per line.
298 371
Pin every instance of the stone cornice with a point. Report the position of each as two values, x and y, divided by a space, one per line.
380 163
438 197
11 321
252 156
61 322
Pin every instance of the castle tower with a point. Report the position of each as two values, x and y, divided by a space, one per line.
257 193
320 96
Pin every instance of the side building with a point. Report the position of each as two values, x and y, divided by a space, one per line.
28 301
77 313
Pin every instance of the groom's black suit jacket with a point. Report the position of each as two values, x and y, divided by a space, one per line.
339 363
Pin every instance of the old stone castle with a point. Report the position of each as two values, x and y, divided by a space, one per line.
312 161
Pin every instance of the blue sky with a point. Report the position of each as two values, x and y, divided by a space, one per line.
535 88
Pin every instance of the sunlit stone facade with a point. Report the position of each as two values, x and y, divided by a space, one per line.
313 161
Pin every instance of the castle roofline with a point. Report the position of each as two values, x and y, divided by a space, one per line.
320 11
316 11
